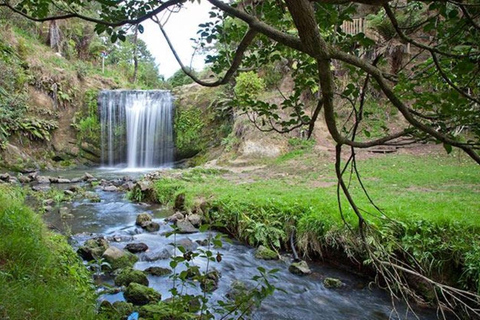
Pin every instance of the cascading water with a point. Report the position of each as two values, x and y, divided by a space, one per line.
136 128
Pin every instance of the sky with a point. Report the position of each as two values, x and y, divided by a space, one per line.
180 27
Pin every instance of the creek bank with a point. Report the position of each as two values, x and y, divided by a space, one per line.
255 220
234 262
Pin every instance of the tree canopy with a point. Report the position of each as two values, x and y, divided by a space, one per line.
420 58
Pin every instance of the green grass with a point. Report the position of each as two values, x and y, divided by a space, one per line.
40 275
429 208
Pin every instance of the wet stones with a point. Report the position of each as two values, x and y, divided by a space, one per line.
157 254
129 275
93 248
265 253
157 271
195 220
185 226
136 247
175 217
119 259
299 268
332 283
187 244
140 295
144 220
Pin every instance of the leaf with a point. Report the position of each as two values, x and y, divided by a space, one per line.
140 28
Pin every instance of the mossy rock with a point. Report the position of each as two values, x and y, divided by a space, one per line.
119 259
265 253
332 283
158 271
117 310
143 219
299 268
140 295
93 248
129 275
166 310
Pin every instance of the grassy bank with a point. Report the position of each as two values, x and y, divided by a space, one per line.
40 275
429 209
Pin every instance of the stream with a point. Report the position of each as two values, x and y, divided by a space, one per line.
305 297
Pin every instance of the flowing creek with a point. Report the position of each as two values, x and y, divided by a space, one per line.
305 297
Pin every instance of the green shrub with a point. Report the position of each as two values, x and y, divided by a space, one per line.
249 85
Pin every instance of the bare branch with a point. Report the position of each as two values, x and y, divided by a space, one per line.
70 15
449 81
242 47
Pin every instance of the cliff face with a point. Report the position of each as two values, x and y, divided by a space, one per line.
44 101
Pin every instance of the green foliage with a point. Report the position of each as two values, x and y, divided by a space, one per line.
188 125
87 120
249 85
40 275
179 78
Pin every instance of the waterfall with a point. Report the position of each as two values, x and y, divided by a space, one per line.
136 128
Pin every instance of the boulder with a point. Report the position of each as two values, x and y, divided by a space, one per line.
299 268
41 188
332 283
195 220
157 271
265 253
175 217
185 226
12 180
43 179
4 176
87 176
119 259
152 226
136 247
117 310
128 186
110 188
143 219
187 244
33 175
24 179
93 248
63 180
129 275
68 192
158 254
140 295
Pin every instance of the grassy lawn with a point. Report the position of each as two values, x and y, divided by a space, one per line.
430 206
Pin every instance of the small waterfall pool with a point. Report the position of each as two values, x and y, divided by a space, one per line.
305 297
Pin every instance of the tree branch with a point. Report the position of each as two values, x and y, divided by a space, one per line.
70 15
242 47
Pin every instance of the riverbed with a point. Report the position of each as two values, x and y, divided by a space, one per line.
298 297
